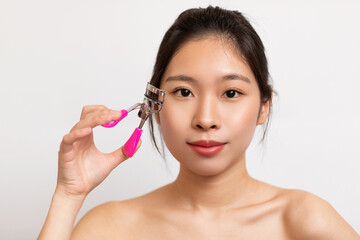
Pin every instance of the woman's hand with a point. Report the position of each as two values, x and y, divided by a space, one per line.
81 165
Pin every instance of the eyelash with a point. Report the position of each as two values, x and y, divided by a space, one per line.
236 91
179 89
182 88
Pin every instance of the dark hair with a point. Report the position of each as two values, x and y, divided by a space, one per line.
199 22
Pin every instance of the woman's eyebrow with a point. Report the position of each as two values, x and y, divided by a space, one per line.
224 78
236 77
180 78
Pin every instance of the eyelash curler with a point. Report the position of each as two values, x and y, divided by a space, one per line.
153 102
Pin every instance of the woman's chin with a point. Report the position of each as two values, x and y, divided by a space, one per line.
205 168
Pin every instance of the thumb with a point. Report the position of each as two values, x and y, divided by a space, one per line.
118 156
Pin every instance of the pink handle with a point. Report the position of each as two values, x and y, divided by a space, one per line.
130 145
112 123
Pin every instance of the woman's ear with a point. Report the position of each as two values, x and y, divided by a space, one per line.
264 111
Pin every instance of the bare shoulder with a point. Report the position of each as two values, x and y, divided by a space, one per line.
308 216
107 221
118 219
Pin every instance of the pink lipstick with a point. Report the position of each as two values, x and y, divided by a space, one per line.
206 147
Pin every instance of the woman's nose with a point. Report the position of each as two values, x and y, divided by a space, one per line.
206 116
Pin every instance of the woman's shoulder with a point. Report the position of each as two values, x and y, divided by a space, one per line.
116 218
307 216
103 221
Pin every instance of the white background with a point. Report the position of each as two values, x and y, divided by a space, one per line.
56 56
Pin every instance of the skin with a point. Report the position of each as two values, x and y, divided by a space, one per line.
212 197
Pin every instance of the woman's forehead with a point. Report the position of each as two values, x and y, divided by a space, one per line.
208 57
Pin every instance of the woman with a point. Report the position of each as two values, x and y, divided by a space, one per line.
212 65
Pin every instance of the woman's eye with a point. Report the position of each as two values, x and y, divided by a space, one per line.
183 92
232 93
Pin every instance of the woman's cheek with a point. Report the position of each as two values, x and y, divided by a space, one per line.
173 119
242 121
174 125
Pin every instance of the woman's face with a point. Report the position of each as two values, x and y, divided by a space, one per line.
211 95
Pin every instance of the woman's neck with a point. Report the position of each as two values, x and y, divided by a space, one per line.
231 189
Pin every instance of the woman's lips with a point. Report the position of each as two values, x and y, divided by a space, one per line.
206 148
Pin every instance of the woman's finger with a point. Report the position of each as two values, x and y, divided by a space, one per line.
70 138
95 113
91 108
102 117
118 156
